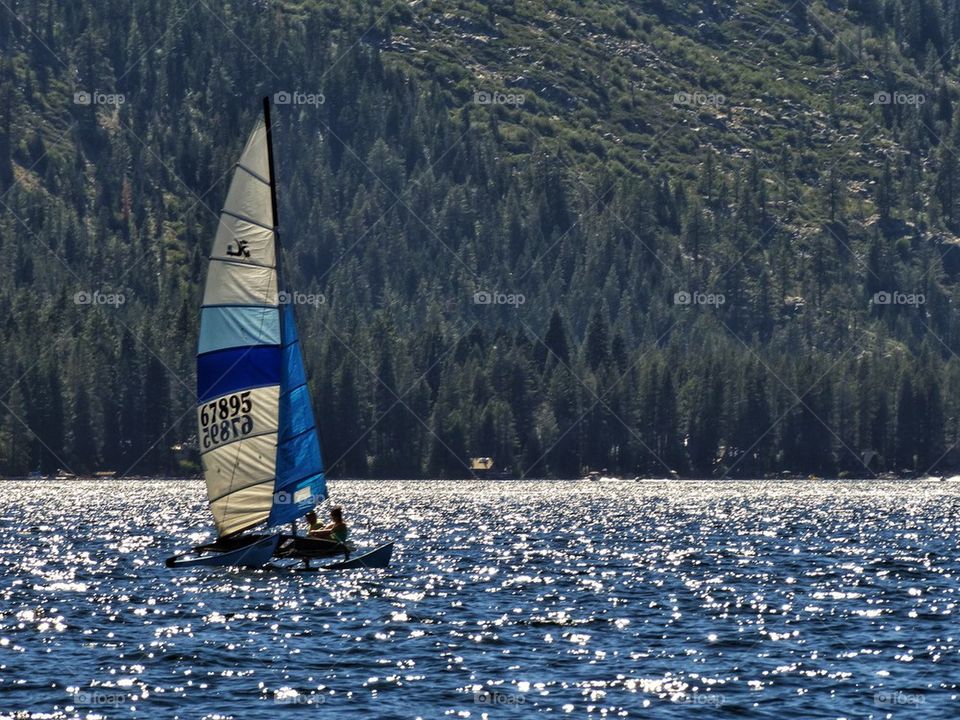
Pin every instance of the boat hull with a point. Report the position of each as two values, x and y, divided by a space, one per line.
306 547
377 558
256 553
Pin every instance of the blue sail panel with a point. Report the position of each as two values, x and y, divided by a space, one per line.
300 414
297 500
294 374
227 371
300 482
297 458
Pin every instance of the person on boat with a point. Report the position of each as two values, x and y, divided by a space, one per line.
336 530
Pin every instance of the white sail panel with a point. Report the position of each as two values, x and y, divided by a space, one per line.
239 355
249 197
243 242
232 417
236 467
239 465
243 508
230 283
254 156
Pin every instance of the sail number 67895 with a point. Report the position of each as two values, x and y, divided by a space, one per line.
226 419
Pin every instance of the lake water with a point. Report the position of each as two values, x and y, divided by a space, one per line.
681 599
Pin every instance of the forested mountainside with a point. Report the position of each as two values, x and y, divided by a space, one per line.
713 238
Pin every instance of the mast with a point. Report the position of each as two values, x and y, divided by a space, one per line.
276 226
273 193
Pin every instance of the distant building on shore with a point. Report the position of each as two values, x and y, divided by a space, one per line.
481 464
483 467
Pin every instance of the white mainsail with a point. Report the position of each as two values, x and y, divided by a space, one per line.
238 363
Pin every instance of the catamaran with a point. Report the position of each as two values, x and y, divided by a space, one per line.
258 438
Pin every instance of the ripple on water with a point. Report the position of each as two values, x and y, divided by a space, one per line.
765 599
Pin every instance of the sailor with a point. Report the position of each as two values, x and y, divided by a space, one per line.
337 529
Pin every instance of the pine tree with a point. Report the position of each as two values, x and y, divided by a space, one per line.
905 440
597 344
555 341
15 439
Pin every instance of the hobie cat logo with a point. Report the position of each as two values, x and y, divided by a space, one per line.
238 250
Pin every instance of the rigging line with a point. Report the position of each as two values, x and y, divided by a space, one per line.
244 218
253 174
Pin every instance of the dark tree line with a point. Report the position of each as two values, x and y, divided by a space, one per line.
745 317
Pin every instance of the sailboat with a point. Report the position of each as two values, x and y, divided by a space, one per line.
258 439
